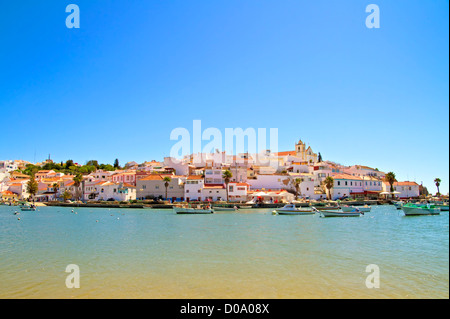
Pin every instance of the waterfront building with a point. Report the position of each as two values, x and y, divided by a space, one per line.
153 186
193 188
237 192
406 189
214 193
115 191
345 185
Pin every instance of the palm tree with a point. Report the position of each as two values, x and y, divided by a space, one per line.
55 188
437 182
227 177
166 180
32 187
297 183
77 180
390 178
329 183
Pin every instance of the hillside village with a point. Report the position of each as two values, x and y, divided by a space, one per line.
275 177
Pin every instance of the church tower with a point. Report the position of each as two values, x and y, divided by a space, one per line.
300 149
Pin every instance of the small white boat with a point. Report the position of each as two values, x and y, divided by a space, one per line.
27 207
363 209
290 209
190 210
225 209
417 210
334 213
326 207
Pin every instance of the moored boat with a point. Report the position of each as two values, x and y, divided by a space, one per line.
27 207
190 210
363 209
334 213
417 210
224 209
326 207
290 209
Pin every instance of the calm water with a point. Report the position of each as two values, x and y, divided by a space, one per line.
132 253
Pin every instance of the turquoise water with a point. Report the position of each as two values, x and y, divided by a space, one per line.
132 253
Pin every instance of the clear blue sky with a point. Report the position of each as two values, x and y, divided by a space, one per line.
135 70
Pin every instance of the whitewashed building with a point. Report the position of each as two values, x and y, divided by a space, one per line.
193 188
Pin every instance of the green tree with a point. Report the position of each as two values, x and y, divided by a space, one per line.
32 187
107 167
166 180
437 182
93 163
66 196
320 158
31 169
329 183
227 175
391 179
116 163
69 163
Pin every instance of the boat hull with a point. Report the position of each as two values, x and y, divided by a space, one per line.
339 214
294 212
352 209
224 209
327 207
418 211
198 211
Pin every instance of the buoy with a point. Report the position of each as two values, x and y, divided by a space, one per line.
18 218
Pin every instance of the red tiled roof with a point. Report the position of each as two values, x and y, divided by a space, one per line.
346 176
291 153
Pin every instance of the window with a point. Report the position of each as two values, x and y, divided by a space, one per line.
339 183
231 188
187 190
345 183
144 186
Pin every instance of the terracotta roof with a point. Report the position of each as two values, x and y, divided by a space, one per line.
406 183
240 184
194 177
8 193
291 153
155 177
346 176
